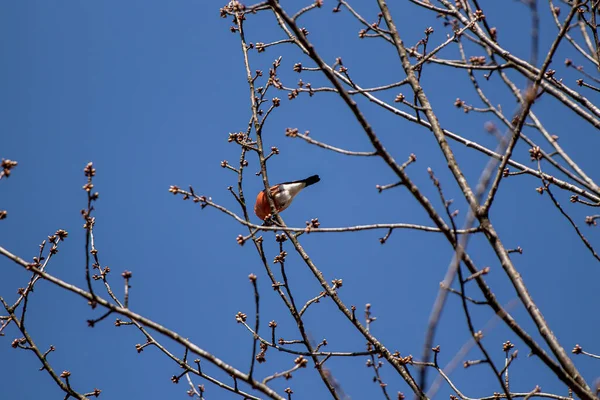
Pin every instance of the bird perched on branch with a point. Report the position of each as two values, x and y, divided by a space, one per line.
282 195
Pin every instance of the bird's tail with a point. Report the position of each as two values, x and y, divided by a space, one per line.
311 180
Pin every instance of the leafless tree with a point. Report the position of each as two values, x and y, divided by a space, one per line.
468 46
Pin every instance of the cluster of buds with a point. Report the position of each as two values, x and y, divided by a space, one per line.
291 132
405 360
89 221
18 342
308 87
238 137
293 94
506 346
369 317
202 200
260 47
232 7
140 347
301 361
280 258
478 336
260 357
6 166
274 80
90 172
535 153
61 234
103 272
477 60
240 239
240 317
313 224
88 187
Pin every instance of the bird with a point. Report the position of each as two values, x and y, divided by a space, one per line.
282 194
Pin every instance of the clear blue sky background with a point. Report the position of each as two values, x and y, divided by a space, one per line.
149 90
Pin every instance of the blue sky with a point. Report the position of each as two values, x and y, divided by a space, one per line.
149 92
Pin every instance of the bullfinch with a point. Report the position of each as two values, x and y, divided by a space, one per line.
282 194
